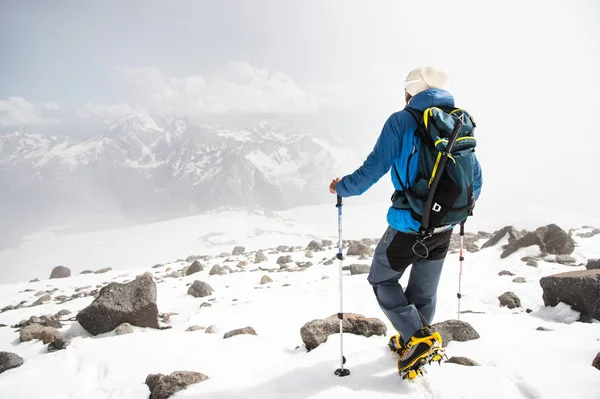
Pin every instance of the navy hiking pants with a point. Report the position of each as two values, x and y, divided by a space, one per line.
394 253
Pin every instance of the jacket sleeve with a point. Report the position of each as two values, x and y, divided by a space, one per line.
477 177
377 164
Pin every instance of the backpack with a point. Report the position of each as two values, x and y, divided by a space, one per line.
441 194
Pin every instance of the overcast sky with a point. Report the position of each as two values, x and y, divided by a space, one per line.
527 70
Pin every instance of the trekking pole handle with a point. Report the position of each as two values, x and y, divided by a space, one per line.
339 201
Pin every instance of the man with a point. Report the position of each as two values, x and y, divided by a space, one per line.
410 312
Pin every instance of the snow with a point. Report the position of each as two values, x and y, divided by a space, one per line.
517 361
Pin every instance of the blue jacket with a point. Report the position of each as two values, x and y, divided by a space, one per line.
393 147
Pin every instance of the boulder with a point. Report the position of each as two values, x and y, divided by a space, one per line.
217 269
510 300
550 239
284 260
9 360
316 332
60 342
309 254
60 272
359 269
359 248
580 289
123 329
266 279
519 280
565 259
463 361
593 264
200 289
315 246
240 331
37 331
510 231
505 273
239 250
260 257
133 303
194 268
455 330
163 386
595 362
42 299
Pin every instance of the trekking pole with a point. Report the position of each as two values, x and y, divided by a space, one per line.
341 372
461 259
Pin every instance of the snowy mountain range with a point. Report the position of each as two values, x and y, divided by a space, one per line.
143 165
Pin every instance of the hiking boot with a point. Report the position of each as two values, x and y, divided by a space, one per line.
422 348
395 344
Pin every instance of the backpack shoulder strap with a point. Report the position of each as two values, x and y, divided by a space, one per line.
418 115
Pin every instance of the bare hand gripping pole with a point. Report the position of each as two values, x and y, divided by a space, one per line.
341 372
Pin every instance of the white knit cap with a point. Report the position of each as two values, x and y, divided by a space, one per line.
424 78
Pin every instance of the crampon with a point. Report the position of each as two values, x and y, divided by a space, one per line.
418 368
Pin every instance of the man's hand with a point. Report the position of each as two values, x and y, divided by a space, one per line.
334 183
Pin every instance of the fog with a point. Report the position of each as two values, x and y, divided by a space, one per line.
526 70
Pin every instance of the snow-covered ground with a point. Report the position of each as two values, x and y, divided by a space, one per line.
517 361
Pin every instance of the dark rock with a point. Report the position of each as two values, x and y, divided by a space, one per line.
266 279
133 303
565 259
506 273
239 250
194 268
510 300
163 386
315 246
9 361
513 236
240 331
596 361
124 328
532 263
284 260
159 265
102 271
359 248
325 278
216 269
316 332
200 289
469 242
60 272
463 361
260 257
87 272
328 262
35 280
484 234
543 329
37 331
63 312
593 264
519 280
60 342
359 269
580 289
551 239
455 330
205 305
43 299
195 328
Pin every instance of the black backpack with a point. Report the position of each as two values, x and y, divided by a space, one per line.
441 194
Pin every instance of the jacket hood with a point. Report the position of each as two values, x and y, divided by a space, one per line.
431 98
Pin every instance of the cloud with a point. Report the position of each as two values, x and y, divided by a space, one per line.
17 111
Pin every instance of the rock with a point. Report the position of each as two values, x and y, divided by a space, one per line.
519 280
216 269
325 278
328 262
163 386
360 249
284 260
551 239
45 321
60 342
593 264
308 254
194 268
212 329
565 259
239 250
9 361
595 362
315 246
455 330
368 241
484 234
158 265
205 305
469 241
510 300
43 299
283 248
102 271
327 243
266 279
123 329
200 289
260 257
463 361
543 329
240 331
64 312
316 332
60 272
35 280
87 272
242 263
195 328
133 303
580 289
37 331
532 263
359 269
506 273
513 235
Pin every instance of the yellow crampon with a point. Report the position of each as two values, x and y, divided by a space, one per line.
436 354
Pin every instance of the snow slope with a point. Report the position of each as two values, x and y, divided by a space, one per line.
517 360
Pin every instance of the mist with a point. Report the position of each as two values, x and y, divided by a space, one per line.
526 71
